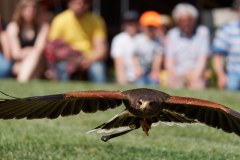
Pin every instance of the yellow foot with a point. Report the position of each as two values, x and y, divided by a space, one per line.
132 126
145 126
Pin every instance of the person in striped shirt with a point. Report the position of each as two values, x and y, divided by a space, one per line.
226 58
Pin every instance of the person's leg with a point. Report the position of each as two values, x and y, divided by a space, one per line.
175 82
145 80
97 72
39 72
5 67
233 80
61 71
141 81
197 84
152 82
29 66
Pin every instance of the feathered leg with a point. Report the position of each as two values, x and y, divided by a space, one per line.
122 123
145 126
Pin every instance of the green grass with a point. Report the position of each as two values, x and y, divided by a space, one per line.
66 138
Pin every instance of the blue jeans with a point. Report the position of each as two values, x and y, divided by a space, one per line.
145 80
61 72
5 67
233 81
95 73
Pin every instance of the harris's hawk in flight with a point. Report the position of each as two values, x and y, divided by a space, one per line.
143 108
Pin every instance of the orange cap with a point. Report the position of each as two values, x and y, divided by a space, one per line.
150 18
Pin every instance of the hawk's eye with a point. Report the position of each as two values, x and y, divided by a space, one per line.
151 103
140 102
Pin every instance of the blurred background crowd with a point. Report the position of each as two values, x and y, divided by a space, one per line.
65 40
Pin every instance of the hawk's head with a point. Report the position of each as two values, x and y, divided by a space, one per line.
144 102
148 106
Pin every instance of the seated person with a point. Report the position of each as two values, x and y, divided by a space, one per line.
123 48
27 35
80 36
226 58
148 55
5 63
187 49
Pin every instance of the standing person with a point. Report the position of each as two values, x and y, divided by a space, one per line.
80 38
187 49
123 48
149 52
226 48
27 35
5 58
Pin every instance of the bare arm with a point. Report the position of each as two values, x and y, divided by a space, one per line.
120 70
99 50
41 39
218 66
138 72
99 53
99 41
156 65
170 67
12 33
204 50
173 79
5 45
200 66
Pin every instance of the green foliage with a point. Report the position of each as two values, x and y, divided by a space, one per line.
66 138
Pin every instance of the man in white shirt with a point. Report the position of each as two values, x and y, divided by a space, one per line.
123 48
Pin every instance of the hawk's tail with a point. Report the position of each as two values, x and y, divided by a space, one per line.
122 123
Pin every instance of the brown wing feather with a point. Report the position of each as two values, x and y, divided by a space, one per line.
52 106
209 113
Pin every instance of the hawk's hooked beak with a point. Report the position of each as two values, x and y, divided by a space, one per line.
145 106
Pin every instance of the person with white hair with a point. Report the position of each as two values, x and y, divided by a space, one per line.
226 58
187 49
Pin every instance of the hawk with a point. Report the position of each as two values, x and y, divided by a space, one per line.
143 108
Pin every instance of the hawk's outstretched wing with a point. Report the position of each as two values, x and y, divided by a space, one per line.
52 106
209 113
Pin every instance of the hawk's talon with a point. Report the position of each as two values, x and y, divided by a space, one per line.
132 126
108 137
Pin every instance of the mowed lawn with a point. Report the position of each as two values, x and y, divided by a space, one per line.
66 138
